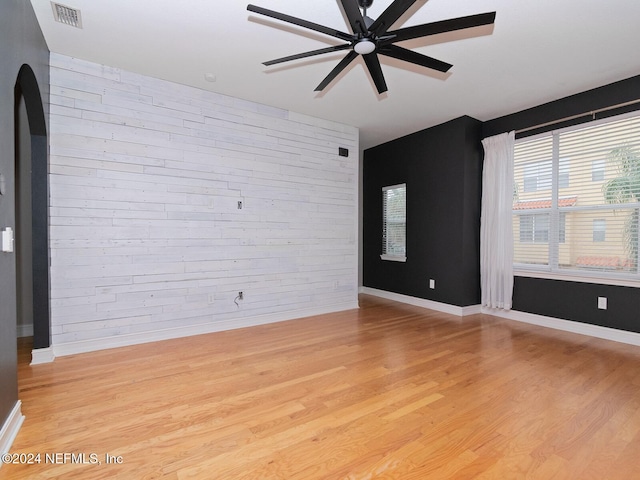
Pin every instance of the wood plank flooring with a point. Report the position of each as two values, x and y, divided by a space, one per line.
388 391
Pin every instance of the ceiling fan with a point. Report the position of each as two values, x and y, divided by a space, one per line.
371 38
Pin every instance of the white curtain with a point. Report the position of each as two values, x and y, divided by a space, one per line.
496 222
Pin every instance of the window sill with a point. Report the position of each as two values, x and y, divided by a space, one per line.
577 277
393 258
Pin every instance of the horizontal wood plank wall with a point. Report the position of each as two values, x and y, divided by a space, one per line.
146 231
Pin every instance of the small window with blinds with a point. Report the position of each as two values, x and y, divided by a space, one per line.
576 200
394 223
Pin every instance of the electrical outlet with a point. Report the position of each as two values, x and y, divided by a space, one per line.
240 296
602 303
432 284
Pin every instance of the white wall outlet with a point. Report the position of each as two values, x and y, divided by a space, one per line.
602 303
432 284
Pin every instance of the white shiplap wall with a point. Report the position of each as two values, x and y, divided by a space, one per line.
147 241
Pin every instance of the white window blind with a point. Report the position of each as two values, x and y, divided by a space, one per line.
394 222
577 199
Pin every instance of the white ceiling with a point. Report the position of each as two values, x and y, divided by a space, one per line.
537 51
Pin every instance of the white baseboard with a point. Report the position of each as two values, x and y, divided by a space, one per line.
42 355
421 302
10 429
25 331
84 346
606 333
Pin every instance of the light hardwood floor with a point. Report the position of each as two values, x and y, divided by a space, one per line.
388 391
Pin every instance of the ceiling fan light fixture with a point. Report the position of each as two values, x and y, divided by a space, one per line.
363 47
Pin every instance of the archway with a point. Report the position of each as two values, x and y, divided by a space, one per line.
32 202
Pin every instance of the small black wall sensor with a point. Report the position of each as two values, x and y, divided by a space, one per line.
343 152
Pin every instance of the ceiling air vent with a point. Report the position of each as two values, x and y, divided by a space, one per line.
67 15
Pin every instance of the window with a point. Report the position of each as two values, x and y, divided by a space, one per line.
584 220
394 223
597 170
599 229
537 176
535 228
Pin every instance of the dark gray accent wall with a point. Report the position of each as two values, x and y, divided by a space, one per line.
21 42
576 301
442 167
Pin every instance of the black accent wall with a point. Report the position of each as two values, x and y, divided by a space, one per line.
442 168
21 43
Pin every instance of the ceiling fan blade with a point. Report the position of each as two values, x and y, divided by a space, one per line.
373 64
354 15
390 15
442 26
338 68
300 22
414 57
308 54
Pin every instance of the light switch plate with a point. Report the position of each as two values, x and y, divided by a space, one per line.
7 240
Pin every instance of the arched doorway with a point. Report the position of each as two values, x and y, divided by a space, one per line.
32 201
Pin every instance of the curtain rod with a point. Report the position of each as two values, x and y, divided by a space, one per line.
593 113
